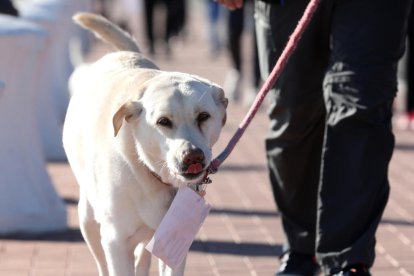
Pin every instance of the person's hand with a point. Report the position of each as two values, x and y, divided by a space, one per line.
231 4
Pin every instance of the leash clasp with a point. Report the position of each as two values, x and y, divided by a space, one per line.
206 180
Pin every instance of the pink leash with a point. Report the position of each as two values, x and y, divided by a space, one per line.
271 80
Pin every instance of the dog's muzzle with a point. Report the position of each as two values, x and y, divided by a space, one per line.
193 163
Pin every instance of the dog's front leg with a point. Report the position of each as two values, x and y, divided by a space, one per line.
119 257
168 271
142 260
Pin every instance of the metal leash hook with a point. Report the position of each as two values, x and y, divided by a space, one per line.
212 169
203 184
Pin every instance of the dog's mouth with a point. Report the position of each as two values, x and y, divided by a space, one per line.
193 171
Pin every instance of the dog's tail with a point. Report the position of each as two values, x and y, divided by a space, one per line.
107 31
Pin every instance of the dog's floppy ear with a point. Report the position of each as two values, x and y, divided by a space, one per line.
126 112
218 93
220 99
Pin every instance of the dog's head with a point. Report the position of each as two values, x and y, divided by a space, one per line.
174 124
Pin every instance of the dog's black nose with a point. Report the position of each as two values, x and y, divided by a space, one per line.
193 156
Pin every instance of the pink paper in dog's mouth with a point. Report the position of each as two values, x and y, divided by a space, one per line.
194 168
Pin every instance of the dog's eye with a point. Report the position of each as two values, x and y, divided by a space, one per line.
165 122
202 117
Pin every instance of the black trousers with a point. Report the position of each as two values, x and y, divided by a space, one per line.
235 30
409 105
330 139
174 23
7 7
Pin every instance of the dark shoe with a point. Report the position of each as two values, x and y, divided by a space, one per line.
353 270
297 264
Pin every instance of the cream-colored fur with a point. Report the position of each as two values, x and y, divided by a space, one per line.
133 134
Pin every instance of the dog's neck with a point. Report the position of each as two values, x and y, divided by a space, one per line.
156 176
134 156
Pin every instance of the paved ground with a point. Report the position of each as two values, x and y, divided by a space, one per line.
242 234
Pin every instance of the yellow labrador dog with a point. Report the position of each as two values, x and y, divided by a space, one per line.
133 134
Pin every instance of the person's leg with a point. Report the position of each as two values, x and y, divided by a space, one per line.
250 93
213 9
176 15
359 88
235 30
410 67
297 115
232 82
7 7
149 28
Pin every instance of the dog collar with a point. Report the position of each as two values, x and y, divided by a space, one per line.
158 178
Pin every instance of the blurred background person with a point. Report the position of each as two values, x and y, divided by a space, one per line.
7 7
214 15
175 19
240 29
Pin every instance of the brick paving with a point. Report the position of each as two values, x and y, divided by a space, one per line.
242 235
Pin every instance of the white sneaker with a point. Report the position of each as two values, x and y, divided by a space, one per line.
232 85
